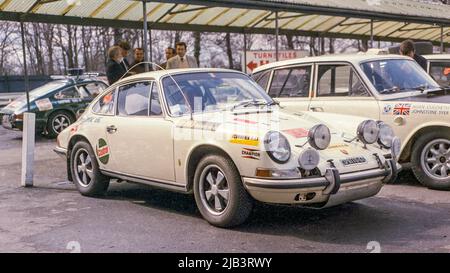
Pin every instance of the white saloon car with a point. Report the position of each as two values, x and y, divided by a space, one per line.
217 134
390 88
439 68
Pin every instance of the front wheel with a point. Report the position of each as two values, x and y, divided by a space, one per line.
86 172
431 160
219 192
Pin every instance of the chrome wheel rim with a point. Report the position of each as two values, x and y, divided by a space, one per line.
60 122
214 190
83 168
435 159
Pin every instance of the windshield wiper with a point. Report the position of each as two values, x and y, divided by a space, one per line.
251 103
390 90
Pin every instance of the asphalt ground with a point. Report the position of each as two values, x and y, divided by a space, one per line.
53 217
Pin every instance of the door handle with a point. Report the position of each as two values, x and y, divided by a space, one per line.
316 109
111 129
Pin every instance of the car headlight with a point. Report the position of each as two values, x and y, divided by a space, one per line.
396 147
309 159
277 147
368 131
319 137
386 135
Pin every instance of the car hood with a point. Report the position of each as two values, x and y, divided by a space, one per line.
15 105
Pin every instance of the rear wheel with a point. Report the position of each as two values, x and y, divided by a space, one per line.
431 160
219 192
85 171
57 122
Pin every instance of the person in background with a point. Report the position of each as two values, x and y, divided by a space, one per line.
114 68
125 49
170 52
407 49
138 66
181 60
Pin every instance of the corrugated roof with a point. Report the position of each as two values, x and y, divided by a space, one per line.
392 20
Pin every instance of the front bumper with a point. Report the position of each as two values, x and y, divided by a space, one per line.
62 152
329 190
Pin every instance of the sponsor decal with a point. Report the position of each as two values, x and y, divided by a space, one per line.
199 125
334 146
44 104
402 109
251 153
103 151
345 152
297 132
353 160
447 71
245 121
245 140
431 109
387 109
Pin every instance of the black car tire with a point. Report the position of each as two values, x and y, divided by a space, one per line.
421 151
64 119
86 172
239 204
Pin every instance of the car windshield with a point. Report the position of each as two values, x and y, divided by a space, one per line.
212 91
397 75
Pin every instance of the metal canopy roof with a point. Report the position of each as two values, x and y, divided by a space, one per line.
392 20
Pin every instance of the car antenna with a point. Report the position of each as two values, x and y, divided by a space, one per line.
179 88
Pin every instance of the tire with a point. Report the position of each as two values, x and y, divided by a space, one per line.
432 150
58 121
85 171
237 208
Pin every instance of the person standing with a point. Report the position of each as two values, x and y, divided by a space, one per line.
114 68
170 52
181 60
407 49
125 49
138 66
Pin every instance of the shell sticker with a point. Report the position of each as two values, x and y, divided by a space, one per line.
103 151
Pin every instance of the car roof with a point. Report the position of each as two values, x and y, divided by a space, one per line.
161 73
437 57
354 58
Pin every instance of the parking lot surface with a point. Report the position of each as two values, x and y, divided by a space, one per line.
54 217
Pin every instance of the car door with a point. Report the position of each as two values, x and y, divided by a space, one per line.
339 89
292 86
140 137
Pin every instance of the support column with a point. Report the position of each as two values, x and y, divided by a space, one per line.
277 34
145 42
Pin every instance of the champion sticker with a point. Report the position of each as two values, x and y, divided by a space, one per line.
103 151
251 153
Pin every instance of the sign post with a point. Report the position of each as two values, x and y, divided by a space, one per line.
28 149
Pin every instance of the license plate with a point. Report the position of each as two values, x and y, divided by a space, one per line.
353 160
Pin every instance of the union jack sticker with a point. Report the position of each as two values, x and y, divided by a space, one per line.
402 109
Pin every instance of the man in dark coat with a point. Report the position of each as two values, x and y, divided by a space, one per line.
125 50
114 69
138 66
407 49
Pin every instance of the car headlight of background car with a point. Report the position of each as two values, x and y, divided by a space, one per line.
368 132
396 147
386 135
319 137
277 147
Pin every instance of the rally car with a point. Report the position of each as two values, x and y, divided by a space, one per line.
390 88
175 130
56 104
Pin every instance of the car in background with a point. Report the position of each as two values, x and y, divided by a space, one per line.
439 68
391 88
175 130
56 104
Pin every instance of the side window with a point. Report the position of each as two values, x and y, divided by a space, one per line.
339 80
155 105
440 71
291 82
94 89
105 105
133 99
68 93
262 78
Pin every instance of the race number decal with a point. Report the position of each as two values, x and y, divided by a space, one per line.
44 104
